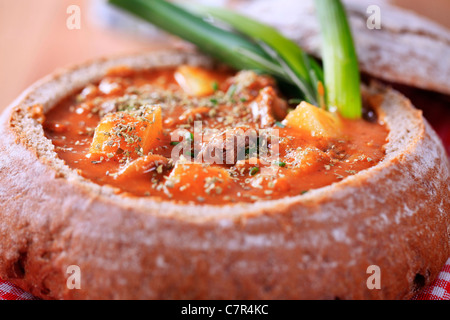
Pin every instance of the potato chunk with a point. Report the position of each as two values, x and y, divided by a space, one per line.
305 160
301 163
198 179
318 122
127 134
196 81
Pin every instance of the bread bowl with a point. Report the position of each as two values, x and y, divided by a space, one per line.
312 246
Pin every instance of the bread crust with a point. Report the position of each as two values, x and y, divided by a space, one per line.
315 246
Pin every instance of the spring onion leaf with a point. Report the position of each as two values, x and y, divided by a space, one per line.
254 171
341 70
295 62
221 44
280 164
254 45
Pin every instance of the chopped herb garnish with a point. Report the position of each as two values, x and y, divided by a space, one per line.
280 164
280 125
231 90
215 86
189 154
174 143
254 171
305 191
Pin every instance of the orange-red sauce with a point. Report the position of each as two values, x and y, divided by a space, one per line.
304 162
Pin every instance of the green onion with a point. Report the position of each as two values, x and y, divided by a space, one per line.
229 47
342 79
262 48
291 57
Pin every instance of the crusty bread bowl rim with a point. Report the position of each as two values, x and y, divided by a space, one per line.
56 86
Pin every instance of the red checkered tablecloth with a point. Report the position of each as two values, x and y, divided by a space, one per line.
8 291
438 290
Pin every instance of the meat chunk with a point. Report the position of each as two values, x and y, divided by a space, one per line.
229 146
188 116
143 165
268 108
247 84
264 102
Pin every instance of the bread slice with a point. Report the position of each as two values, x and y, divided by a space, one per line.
313 246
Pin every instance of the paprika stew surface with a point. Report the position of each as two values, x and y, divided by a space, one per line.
195 135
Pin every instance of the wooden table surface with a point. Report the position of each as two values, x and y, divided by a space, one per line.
35 40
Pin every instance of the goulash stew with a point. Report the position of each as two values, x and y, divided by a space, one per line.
194 135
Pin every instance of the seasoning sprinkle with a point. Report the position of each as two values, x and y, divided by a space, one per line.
254 171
